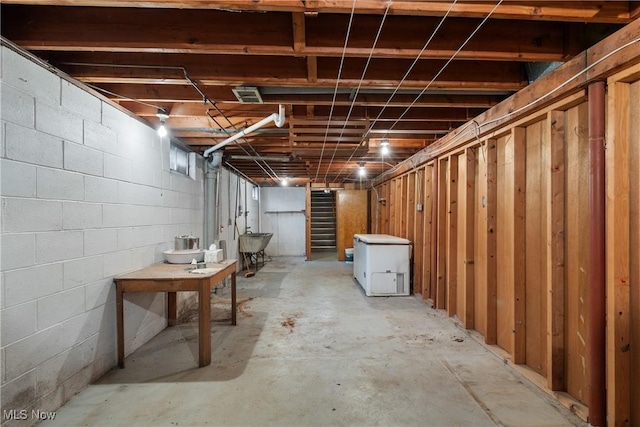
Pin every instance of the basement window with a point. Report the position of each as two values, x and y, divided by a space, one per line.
182 162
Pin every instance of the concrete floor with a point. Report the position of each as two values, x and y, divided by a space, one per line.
310 349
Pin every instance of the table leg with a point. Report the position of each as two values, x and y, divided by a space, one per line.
172 308
204 320
234 307
120 324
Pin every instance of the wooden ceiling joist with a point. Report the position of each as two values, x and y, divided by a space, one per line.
140 53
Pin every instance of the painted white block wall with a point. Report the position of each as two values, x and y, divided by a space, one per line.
86 194
228 213
282 213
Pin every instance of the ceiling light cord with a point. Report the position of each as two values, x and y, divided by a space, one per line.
335 91
355 96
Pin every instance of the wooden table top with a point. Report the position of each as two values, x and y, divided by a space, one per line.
166 271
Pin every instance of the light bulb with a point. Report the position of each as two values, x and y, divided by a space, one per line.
162 130
384 144
362 171
284 182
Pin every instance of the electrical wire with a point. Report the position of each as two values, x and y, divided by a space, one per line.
473 33
406 74
478 127
99 89
355 96
335 91
193 83
415 61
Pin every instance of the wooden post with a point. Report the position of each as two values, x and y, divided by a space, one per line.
442 233
452 234
519 182
618 343
120 323
555 277
204 322
172 309
466 218
433 241
491 336
420 256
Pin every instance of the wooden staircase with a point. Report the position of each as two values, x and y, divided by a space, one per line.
323 221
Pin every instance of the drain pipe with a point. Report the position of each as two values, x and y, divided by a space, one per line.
596 325
278 118
211 199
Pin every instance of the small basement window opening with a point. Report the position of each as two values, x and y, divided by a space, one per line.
182 162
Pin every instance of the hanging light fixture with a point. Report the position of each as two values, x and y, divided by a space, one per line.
361 170
284 182
163 115
384 144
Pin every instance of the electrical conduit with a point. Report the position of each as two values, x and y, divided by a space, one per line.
211 199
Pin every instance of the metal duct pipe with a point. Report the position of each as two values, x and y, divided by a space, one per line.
596 343
212 170
278 118
283 159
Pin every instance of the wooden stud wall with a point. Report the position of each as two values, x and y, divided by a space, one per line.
480 236
622 251
537 179
576 250
634 254
502 241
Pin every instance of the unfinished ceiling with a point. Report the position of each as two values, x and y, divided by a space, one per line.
350 74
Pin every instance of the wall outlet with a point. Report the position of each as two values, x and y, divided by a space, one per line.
419 207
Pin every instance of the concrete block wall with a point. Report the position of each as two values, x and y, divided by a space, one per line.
281 213
86 194
230 185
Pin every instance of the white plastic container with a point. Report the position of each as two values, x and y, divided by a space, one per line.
348 255
183 256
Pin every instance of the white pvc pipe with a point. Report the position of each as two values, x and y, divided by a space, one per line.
278 118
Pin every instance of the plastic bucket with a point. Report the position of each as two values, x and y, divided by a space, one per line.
348 254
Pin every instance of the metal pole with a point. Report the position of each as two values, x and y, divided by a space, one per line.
596 324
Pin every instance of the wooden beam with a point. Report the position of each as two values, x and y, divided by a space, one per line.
285 71
117 30
518 175
299 40
555 274
596 11
491 335
618 353
312 69
442 214
433 246
466 219
186 93
452 235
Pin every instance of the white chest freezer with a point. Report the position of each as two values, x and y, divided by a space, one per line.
381 264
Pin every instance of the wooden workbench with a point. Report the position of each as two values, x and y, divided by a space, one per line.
173 278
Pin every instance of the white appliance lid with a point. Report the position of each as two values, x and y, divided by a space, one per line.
381 239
